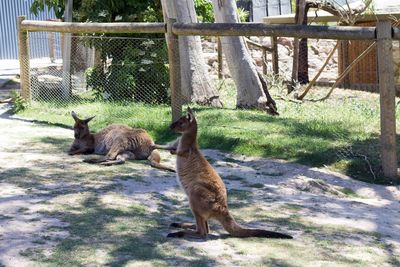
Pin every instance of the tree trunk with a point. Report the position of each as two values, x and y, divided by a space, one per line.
250 91
300 53
197 85
303 53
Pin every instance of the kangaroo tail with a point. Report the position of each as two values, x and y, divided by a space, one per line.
155 159
230 225
161 166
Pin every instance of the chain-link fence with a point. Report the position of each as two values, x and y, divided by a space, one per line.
126 69
98 68
349 64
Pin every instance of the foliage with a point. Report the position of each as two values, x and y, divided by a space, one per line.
122 78
121 72
243 14
134 64
20 104
117 10
104 10
204 10
56 5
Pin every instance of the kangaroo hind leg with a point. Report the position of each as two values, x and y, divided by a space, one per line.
201 230
119 159
187 226
183 225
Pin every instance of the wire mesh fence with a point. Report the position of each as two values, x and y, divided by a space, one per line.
135 70
113 69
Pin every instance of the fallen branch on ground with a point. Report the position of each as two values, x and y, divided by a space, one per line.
7 100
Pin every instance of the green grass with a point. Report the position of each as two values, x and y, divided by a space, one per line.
341 133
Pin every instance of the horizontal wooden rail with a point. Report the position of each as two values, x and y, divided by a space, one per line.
76 27
210 29
396 33
260 29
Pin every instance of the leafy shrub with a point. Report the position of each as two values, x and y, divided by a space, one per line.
19 103
204 10
138 71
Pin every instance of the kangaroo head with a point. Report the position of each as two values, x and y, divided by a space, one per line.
81 127
185 123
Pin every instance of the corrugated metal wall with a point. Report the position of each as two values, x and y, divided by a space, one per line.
265 8
9 10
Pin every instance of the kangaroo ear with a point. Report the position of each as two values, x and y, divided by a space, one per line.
88 119
73 114
190 115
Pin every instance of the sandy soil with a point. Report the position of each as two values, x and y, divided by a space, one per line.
318 196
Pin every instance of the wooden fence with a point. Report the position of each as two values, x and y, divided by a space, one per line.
383 33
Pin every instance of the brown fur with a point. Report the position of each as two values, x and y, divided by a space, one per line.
204 187
117 142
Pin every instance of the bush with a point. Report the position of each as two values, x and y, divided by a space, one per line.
138 71
19 103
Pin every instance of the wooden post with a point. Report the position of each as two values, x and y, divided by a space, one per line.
345 62
275 57
50 38
220 62
67 53
264 60
23 60
174 71
387 99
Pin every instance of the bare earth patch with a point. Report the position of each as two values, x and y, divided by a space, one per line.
57 210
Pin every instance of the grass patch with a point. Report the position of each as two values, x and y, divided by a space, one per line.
347 191
238 194
256 185
272 174
341 133
293 207
233 178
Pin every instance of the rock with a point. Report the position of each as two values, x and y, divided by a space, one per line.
46 87
286 42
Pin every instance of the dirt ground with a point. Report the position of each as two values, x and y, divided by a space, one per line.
56 210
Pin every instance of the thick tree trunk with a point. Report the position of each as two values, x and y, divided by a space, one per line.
300 53
197 85
250 91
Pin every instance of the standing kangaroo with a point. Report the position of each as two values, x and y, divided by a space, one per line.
203 186
117 142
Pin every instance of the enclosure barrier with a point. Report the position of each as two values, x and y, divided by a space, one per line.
383 33
259 29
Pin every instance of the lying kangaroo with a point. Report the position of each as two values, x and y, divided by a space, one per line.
203 186
117 142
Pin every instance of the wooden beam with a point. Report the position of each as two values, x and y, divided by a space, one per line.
78 27
387 99
260 29
23 60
